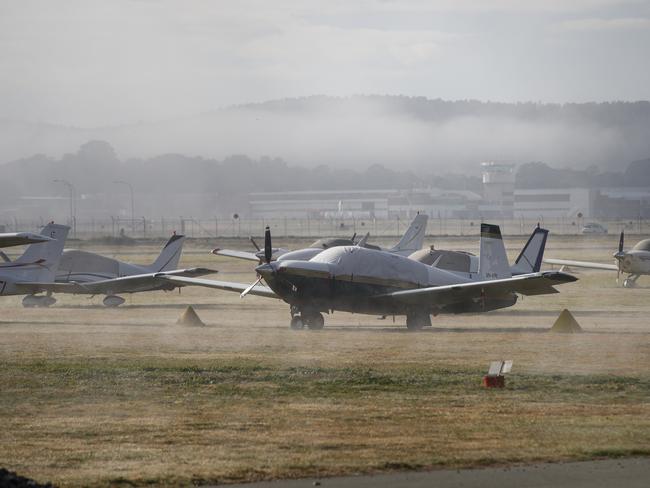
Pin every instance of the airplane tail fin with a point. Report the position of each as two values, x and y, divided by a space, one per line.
530 257
170 254
413 238
493 261
40 261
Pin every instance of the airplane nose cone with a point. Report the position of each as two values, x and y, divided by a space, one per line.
619 255
265 269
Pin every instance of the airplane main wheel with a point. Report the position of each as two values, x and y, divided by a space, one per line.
628 283
316 321
296 323
112 301
417 321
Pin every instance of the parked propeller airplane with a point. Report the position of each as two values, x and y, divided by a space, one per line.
367 281
82 272
635 262
411 241
466 263
39 262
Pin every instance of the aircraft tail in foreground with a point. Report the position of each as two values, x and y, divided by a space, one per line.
493 261
40 261
170 255
531 256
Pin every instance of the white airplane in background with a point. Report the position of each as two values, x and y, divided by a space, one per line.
410 242
39 262
87 273
635 262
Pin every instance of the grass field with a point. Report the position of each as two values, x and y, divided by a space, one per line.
91 396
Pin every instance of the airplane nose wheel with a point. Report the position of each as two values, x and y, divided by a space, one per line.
313 320
296 323
629 283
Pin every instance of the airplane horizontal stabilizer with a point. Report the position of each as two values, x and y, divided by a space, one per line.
21 238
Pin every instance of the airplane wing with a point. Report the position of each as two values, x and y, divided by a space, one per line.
582 264
124 284
529 284
259 290
19 238
231 253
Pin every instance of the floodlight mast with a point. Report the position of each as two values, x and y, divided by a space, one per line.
73 206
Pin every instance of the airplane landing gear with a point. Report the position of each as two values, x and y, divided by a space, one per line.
312 319
112 301
630 281
296 323
418 320
43 301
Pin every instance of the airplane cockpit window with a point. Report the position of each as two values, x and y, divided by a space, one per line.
644 245
327 243
455 261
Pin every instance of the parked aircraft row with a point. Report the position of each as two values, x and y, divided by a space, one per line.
330 275
47 268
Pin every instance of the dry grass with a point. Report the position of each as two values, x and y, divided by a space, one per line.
94 396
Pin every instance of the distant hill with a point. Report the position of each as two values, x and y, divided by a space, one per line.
359 131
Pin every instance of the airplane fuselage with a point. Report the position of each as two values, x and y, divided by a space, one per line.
635 262
86 267
351 279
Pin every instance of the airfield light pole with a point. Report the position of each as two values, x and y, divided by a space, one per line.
73 210
122 182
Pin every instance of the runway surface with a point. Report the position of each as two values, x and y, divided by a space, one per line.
631 473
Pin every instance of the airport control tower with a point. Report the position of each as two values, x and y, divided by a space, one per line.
498 189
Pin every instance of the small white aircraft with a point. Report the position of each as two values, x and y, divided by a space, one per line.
39 262
635 262
410 242
82 272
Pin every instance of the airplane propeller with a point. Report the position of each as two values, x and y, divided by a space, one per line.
268 250
250 287
620 255
254 243
268 254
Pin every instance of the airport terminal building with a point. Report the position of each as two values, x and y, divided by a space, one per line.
500 199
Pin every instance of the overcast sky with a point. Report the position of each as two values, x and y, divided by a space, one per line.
93 63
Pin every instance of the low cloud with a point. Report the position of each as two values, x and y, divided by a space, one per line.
596 24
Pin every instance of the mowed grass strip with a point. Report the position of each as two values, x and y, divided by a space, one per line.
176 421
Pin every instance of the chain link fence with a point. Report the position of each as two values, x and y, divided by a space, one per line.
144 228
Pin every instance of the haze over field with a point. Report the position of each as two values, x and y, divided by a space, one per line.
395 131
159 77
